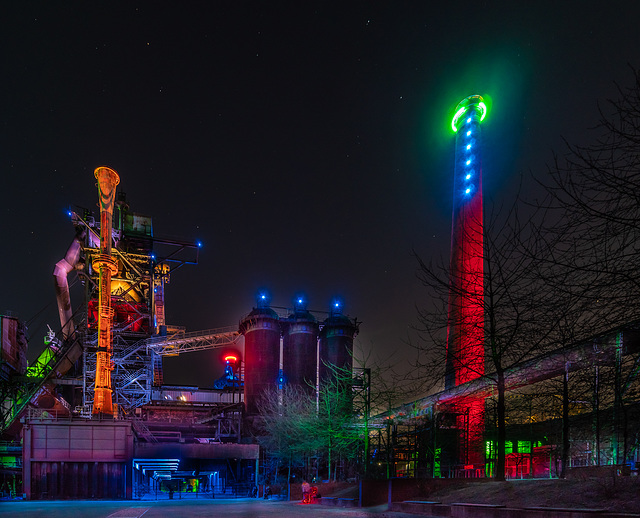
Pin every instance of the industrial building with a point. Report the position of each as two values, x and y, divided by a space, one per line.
598 418
577 406
92 416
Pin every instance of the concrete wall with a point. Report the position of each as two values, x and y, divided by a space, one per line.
421 488
376 492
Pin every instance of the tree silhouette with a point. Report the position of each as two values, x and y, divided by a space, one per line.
521 314
595 192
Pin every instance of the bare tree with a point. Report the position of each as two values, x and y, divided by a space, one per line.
521 312
595 191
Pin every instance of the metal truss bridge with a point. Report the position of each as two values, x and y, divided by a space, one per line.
137 366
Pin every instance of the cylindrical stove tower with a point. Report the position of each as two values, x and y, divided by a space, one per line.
336 344
299 347
261 330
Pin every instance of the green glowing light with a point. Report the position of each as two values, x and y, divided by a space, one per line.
42 365
473 102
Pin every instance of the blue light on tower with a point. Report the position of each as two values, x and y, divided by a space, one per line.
300 302
336 307
263 299
469 113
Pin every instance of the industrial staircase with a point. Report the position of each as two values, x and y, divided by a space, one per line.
142 431
20 391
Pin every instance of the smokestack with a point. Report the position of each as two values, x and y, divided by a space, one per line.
108 179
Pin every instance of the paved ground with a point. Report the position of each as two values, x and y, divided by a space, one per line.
242 507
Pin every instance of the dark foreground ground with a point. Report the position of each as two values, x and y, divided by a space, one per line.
620 494
186 508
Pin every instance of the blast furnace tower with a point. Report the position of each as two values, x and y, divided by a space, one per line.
108 179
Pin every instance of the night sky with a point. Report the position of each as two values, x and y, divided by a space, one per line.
306 144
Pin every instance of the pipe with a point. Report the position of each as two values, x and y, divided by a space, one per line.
60 278
107 266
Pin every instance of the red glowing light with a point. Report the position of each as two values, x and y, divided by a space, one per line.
466 299
230 358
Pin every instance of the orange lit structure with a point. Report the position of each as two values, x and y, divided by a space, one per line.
107 361
107 266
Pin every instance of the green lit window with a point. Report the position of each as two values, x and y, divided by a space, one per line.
524 447
508 447
489 451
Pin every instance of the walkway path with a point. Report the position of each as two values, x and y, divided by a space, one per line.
240 508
